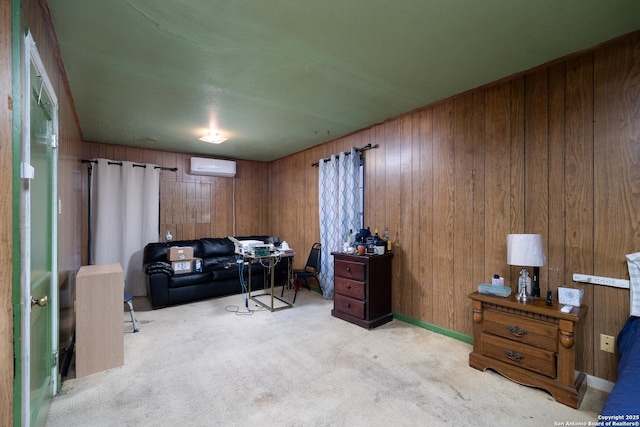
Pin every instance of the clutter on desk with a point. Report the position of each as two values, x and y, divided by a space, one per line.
285 249
364 243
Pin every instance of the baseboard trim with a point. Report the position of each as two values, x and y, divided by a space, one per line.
435 328
600 383
594 382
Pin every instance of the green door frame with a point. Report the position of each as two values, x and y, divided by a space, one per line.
16 71
22 60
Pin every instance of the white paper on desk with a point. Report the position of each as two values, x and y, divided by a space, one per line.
284 246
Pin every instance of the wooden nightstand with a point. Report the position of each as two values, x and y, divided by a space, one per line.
362 289
530 343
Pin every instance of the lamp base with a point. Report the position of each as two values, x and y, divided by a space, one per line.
523 286
522 295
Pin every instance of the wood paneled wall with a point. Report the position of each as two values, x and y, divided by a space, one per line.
6 228
195 206
35 18
554 151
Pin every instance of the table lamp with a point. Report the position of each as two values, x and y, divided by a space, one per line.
525 250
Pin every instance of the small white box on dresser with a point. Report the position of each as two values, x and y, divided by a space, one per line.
570 296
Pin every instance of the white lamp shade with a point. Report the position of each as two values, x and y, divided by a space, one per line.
525 250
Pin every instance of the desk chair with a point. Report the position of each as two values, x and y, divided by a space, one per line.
311 269
128 299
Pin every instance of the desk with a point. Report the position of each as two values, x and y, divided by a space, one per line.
271 261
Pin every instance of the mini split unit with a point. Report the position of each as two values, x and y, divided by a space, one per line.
213 167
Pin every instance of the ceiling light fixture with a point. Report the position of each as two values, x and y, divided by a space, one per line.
213 138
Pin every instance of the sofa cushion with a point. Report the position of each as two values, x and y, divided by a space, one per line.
223 262
231 273
189 279
216 246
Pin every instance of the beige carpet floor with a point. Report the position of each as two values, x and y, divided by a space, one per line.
201 364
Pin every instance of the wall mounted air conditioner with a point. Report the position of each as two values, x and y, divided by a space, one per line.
213 167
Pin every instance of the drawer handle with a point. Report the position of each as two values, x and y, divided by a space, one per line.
348 305
348 286
514 355
517 331
348 269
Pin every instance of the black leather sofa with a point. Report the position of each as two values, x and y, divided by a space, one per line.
220 273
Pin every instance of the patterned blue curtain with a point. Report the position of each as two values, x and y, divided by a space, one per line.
339 208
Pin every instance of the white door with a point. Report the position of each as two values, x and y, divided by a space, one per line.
39 271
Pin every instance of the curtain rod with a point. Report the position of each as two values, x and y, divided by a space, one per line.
135 165
328 159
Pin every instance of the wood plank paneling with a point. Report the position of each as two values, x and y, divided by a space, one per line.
616 179
416 273
479 222
392 144
517 172
536 153
519 156
406 232
6 229
194 206
71 222
497 183
424 207
463 236
554 273
578 187
551 151
443 213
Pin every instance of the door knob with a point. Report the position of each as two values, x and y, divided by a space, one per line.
41 302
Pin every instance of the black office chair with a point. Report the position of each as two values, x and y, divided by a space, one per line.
311 269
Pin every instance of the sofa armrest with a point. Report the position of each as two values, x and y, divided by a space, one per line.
159 268
158 289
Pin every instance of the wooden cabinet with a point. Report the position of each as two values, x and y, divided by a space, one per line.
530 343
99 318
362 289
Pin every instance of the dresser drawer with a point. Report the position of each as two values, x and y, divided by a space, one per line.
349 288
519 354
349 270
521 329
348 305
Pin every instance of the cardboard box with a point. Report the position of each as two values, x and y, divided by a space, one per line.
182 267
179 253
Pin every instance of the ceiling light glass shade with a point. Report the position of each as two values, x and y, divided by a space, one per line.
525 250
213 138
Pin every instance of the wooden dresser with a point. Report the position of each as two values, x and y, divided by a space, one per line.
530 343
362 286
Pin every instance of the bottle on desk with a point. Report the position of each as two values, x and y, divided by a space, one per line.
387 238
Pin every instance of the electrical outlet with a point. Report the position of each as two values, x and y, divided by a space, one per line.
607 343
